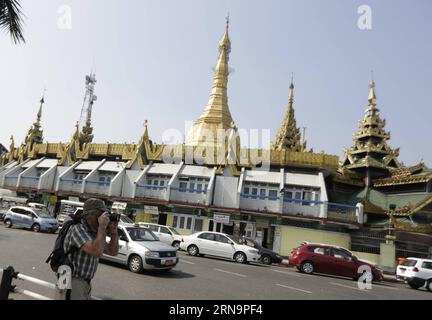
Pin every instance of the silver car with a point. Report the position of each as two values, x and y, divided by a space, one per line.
31 218
140 249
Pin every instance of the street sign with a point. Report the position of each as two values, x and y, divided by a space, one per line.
221 218
119 205
151 210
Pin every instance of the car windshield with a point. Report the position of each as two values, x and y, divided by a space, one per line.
126 219
41 214
409 263
141 234
174 231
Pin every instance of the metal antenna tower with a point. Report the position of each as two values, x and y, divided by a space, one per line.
89 99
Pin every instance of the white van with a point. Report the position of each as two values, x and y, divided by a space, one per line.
166 234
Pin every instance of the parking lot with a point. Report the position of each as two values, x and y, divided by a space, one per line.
193 278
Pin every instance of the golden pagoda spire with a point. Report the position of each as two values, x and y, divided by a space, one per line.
216 114
289 137
35 133
370 155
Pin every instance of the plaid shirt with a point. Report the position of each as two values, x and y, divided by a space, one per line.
83 265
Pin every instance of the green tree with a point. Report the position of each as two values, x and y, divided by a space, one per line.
11 19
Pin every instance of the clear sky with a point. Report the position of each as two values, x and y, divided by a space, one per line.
154 60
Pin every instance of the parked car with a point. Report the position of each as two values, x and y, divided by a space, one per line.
67 209
323 258
32 218
416 272
219 245
140 249
6 202
168 235
267 256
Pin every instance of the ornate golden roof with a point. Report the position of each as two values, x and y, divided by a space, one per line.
289 137
370 149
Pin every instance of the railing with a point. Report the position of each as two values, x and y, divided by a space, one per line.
151 191
29 181
6 286
73 185
344 212
189 190
10 181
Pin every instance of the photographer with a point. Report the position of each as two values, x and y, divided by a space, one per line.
86 243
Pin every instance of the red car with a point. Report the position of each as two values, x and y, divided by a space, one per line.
322 258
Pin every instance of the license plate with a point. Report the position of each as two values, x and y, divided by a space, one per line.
169 262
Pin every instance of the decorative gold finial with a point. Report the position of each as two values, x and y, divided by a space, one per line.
372 95
291 90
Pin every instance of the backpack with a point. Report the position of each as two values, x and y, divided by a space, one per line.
58 256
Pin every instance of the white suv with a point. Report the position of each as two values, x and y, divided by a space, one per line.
416 272
168 235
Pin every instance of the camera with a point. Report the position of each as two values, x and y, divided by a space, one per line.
114 217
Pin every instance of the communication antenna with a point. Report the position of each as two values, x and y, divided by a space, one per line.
89 99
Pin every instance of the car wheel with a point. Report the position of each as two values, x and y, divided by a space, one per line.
307 267
266 259
35 227
414 285
429 285
240 257
176 244
135 264
192 250
8 223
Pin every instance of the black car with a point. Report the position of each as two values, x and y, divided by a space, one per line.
267 256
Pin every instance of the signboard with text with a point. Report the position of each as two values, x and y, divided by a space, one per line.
221 218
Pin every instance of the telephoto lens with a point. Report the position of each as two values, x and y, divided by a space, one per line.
114 217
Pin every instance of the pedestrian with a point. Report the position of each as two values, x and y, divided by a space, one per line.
86 243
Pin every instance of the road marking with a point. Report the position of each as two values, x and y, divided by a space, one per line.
236 274
349 287
384 287
186 261
292 288
287 272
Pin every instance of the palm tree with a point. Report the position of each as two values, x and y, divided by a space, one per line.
11 19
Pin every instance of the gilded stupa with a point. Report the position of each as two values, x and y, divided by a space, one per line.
216 117
371 156
289 137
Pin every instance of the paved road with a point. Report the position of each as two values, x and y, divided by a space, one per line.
193 278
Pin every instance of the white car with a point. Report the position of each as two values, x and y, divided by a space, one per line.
139 248
416 272
219 245
168 235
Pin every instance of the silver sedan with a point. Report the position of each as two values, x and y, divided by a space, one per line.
140 249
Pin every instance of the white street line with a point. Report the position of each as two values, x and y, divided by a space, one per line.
349 287
384 287
237 274
287 272
185 261
292 288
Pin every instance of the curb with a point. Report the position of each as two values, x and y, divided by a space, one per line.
390 278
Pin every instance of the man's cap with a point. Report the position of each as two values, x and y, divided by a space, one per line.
94 204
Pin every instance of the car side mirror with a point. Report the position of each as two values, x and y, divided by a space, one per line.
231 243
354 258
